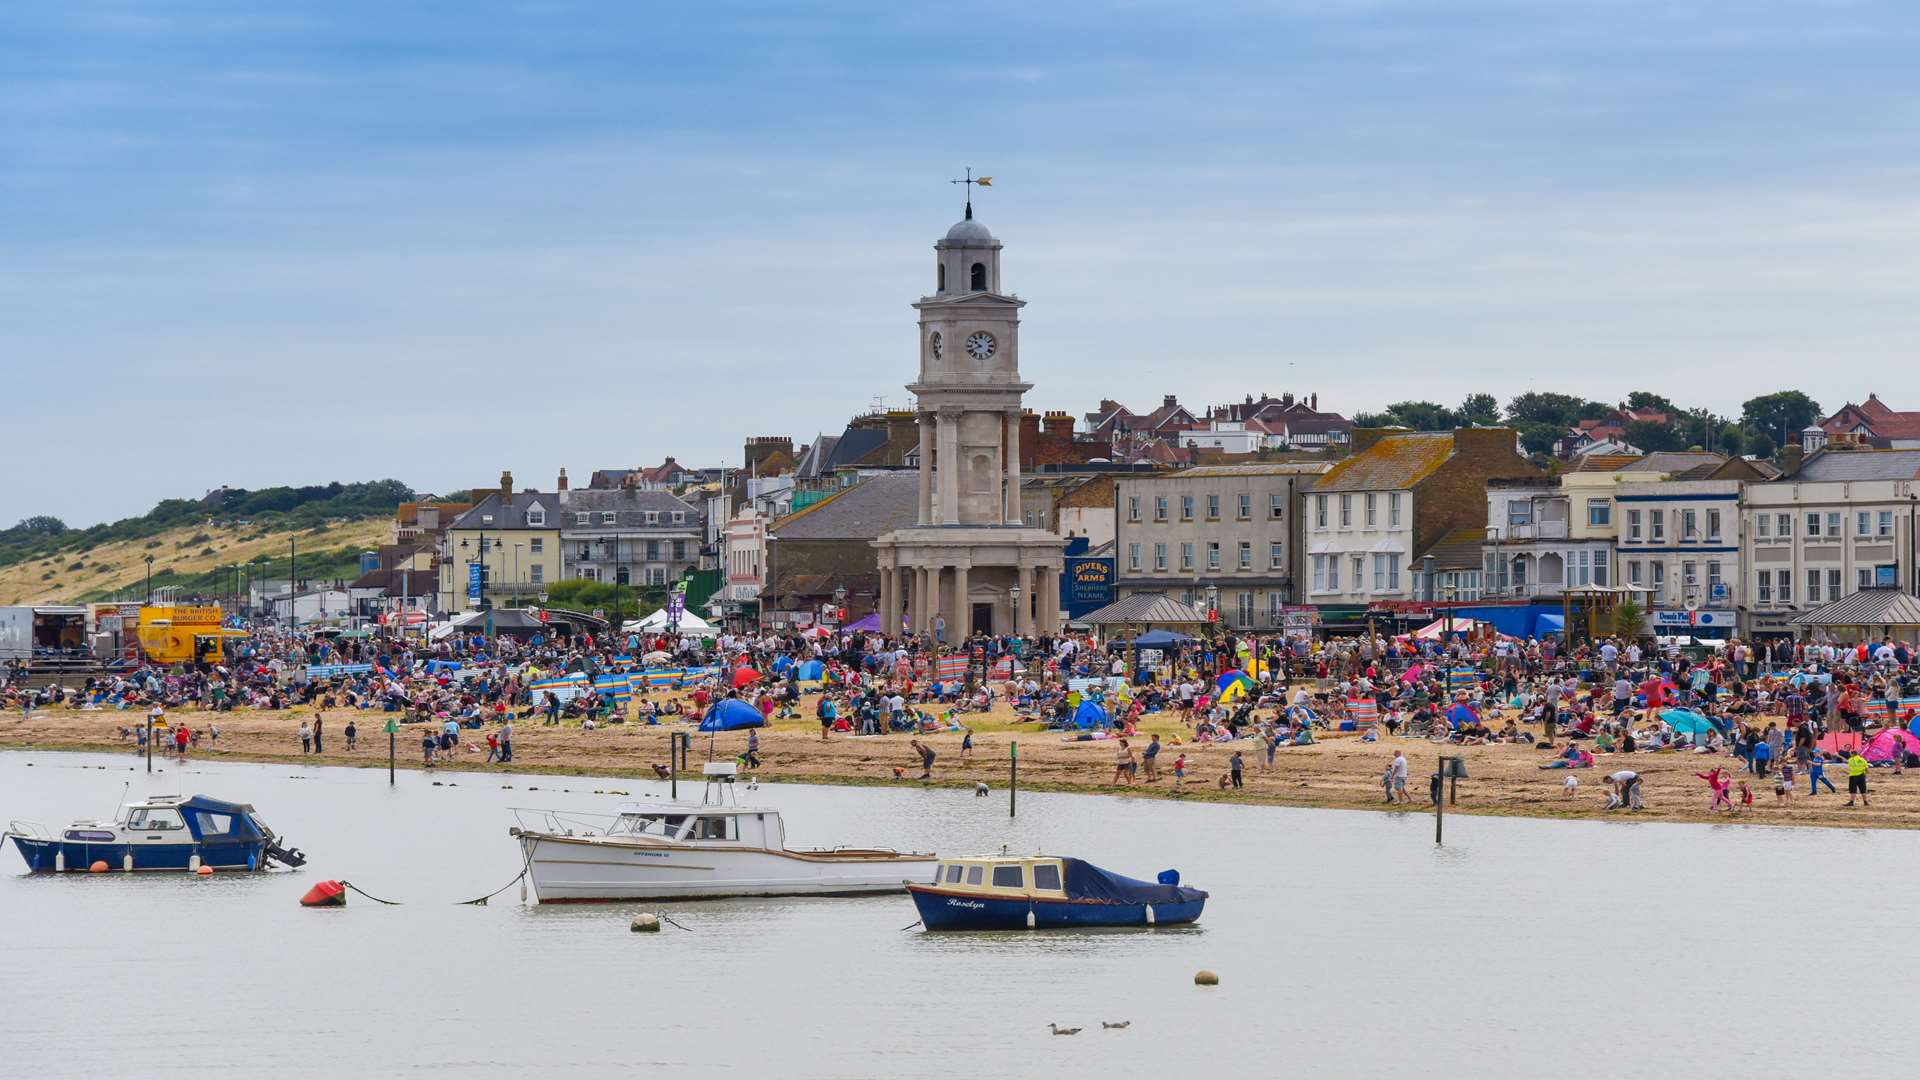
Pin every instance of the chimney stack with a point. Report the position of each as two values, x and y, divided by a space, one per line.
506 489
1170 400
1313 401
561 484
1791 458
1059 425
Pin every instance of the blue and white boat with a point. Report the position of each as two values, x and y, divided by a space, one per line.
1038 892
167 832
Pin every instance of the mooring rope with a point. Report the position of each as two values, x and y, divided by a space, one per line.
368 895
669 921
909 926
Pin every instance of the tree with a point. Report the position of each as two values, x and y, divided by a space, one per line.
1781 415
1538 438
1647 399
1560 410
1651 437
1417 415
44 524
1482 409
1627 617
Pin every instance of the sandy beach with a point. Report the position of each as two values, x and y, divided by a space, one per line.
1340 771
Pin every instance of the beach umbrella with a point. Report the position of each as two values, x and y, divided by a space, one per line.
732 715
1413 673
656 657
744 677
1687 722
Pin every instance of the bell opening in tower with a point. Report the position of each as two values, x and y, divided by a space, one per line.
979 277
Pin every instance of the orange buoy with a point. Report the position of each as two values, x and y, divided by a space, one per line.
99 867
325 894
205 870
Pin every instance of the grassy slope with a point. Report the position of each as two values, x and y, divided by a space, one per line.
119 565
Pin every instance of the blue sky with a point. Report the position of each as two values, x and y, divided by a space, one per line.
290 243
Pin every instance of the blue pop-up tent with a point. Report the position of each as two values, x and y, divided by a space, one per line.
810 671
1090 715
1160 639
1688 722
732 714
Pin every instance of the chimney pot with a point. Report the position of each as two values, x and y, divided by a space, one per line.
561 484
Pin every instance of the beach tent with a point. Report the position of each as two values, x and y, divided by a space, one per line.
1882 747
867 624
1090 715
732 714
1160 639
810 671
691 625
1461 714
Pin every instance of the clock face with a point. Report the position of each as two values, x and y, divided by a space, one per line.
935 342
980 345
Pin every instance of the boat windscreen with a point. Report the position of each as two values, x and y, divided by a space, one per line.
647 825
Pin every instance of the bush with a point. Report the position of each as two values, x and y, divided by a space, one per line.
196 538
77 564
206 551
151 544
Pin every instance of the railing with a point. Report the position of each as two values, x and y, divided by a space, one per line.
564 823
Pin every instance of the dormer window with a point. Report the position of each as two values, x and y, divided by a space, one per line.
653 517
679 517
607 517
583 518
536 517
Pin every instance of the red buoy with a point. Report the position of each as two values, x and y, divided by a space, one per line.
325 894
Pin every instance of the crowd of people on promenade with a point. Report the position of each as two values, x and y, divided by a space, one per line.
1784 712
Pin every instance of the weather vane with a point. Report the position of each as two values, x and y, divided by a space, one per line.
972 182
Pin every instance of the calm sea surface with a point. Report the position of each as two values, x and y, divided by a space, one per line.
1347 944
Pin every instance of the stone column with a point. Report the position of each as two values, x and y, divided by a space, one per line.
926 468
917 618
1015 512
960 615
890 596
1022 611
949 433
1049 585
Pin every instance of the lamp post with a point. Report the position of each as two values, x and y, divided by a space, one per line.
1013 597
149 559
481 598
840 606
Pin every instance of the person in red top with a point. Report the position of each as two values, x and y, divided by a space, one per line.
180 740
1656 692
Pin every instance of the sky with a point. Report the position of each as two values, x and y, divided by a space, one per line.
257 244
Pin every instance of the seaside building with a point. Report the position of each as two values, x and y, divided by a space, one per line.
968 562
1845 521
513 536
630 535
1373 515
1231 532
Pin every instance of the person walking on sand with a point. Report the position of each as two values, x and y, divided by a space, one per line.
926 759
1386 781
506 743
319 720
1857 778
352 734
1400 777
1123 763
966 743
1817 774
1152 757
1235 767
306 738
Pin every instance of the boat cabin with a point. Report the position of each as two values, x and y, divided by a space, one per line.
747 826
1005 875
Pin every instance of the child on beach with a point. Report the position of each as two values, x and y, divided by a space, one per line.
966 742
1719 784
1569 786
1746 798
1179 771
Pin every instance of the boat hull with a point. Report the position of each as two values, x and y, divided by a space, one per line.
43 856
593 870
943 910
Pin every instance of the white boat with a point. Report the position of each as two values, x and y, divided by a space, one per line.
705 850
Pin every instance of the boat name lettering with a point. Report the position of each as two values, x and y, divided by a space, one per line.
973 905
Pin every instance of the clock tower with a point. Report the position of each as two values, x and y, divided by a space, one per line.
969 563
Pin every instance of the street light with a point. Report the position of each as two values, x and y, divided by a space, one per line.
149 559
481 599
840 606
1013 596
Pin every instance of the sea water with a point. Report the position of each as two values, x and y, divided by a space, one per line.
1347 944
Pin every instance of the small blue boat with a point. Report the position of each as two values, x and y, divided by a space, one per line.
161 833
1014 892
